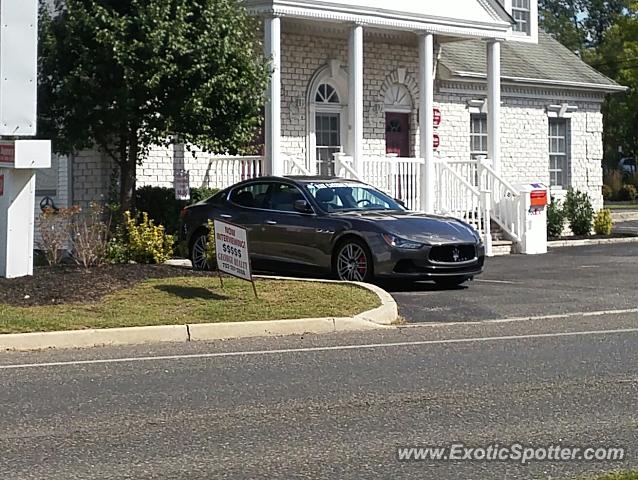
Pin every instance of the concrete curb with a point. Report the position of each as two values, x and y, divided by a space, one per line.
590 241
377 318
94 337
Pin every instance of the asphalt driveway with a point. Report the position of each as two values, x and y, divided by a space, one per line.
566 280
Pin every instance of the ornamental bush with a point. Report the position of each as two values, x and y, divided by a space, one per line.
608 193
555 219
140 242
627 192
603 222
579 212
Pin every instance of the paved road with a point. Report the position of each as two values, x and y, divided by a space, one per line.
335 407
566 280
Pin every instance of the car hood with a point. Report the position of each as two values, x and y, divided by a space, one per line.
419 227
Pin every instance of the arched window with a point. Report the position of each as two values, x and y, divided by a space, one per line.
326 93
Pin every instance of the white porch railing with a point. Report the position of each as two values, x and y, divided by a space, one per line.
226 170
296 166
397 176
456 196
503 198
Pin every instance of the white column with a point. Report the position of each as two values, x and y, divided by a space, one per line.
272 46
494 104
426 120
355 96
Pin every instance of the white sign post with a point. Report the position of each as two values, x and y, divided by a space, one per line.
231 250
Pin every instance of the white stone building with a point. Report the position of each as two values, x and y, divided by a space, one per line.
365 80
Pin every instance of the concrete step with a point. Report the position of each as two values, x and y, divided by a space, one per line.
502 247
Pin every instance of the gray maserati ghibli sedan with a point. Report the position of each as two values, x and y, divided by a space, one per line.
338 227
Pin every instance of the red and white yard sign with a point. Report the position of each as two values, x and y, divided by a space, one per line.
231 249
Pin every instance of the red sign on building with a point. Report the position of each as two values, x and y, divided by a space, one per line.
437 117
7 153
1 185
436 141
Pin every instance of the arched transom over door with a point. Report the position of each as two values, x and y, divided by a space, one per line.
397 106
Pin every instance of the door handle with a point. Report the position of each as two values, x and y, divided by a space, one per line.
271 222
223 215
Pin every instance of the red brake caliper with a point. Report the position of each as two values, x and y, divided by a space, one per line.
362 264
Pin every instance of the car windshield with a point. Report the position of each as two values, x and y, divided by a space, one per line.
350 197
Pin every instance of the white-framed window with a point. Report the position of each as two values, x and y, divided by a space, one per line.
521 12
478 135
558 152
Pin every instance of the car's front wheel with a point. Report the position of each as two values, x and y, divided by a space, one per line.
198 251
352 261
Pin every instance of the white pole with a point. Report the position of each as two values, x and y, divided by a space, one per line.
494 104
426 119
355 100
272 46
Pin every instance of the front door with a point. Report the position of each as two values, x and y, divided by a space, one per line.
328 141
397 134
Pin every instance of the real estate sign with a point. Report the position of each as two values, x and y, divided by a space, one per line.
231 247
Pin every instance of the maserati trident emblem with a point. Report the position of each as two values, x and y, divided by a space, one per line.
456 254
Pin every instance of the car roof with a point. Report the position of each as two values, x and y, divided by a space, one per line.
320 178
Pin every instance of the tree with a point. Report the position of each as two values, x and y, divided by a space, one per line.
124 76
617 57
580 24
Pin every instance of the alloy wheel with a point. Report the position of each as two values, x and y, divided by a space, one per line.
198 253
352 263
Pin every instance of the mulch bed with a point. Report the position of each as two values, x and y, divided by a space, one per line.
69 283
593 237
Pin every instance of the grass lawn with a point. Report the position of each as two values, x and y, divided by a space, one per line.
184 300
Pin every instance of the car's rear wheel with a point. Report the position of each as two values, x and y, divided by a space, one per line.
352 261
450 282
198 251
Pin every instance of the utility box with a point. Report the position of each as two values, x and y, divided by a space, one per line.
19 160
534 201
18 67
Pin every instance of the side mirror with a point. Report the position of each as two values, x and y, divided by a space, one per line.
302 206
400 202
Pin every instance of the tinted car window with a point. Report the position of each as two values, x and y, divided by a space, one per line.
350 196
284 196
253 195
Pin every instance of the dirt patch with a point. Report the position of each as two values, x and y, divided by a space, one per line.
71 284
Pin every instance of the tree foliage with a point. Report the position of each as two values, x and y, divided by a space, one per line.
580 24
128 75
605 33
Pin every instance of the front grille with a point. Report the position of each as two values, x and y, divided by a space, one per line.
452 253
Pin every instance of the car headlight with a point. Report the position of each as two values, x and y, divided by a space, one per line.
397 242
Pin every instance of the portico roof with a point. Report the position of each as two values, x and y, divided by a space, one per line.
466 18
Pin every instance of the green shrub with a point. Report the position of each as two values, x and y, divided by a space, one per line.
202 193
579 212
613 179
555 219
142 242
628 192
162 207
603 222
608 193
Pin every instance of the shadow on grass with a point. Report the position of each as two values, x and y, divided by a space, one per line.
190 292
